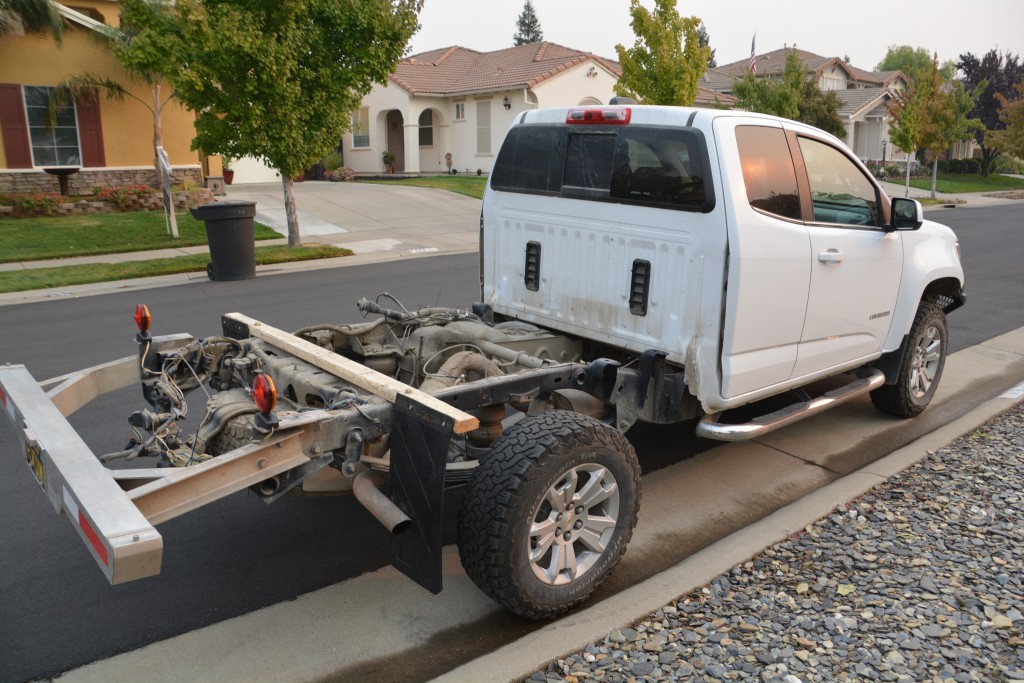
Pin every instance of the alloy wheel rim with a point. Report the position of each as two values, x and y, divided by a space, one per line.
573 524
925 363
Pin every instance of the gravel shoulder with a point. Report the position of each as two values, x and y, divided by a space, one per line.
918 579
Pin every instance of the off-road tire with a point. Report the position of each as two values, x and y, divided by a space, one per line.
237 432
920 366
512 488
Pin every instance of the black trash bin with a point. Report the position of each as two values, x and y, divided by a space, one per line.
231 234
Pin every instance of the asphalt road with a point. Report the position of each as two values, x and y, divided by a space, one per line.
238 555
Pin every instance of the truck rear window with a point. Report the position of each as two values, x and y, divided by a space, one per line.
648 165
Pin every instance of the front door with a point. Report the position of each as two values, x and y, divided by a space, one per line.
855 264
396 139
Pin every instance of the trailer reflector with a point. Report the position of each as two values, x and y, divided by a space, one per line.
81 520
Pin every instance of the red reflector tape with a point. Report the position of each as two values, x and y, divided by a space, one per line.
74 513
91 535
8 406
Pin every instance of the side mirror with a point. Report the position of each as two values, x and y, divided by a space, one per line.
907 214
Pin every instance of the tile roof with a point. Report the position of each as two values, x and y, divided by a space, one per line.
770 63
857 99
457 70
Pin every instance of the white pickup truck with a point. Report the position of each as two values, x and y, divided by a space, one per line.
652 264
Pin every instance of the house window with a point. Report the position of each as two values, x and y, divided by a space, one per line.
483 127
361 129
460 111
427 129
831 83
57 146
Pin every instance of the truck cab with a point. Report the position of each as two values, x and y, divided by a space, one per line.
756 253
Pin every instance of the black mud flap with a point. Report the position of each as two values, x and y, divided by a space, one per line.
419 450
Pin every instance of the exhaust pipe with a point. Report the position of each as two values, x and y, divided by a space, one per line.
364 486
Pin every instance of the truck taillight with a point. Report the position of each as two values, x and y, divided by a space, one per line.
264 393
606 115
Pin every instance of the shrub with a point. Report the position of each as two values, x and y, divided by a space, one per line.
972 166
120 196
332 161
33 203
943 166
341 175
956 165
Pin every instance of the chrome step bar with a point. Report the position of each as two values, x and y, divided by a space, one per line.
710 428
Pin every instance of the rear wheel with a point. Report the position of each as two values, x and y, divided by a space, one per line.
549 512
920 367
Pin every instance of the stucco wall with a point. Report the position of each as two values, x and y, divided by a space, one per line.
128 125
459 137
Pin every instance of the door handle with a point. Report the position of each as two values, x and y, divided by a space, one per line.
830 256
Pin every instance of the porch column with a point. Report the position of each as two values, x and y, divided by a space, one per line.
412 146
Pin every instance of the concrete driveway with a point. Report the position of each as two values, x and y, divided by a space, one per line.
369 218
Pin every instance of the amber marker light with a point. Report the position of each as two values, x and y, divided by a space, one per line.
142 321
264 393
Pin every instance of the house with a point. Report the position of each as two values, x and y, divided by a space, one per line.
455 104
110 143
865 95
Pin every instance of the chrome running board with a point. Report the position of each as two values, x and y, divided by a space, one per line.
710 428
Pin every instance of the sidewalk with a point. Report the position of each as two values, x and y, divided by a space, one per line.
377 222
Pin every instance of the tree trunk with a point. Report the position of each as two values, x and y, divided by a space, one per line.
988 155
935 174
165 178
906 192
291 211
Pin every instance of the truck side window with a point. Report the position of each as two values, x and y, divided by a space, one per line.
840 192
768 171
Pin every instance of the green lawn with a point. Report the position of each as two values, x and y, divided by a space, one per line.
469 185
49 237
65 276
955 183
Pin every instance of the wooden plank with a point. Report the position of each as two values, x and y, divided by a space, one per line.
351 371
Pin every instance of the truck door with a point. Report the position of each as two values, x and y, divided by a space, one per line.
769 255
855 265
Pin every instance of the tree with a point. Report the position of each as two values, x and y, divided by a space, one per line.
705 41
915 63
279 80
18 17
820 109
145 45
906 111
666 61
528 26
944 119
793 95
1010 140
993 75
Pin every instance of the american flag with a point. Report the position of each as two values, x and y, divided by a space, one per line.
753 57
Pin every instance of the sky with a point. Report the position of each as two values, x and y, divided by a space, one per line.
862 30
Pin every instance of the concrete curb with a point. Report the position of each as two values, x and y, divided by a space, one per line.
574 632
